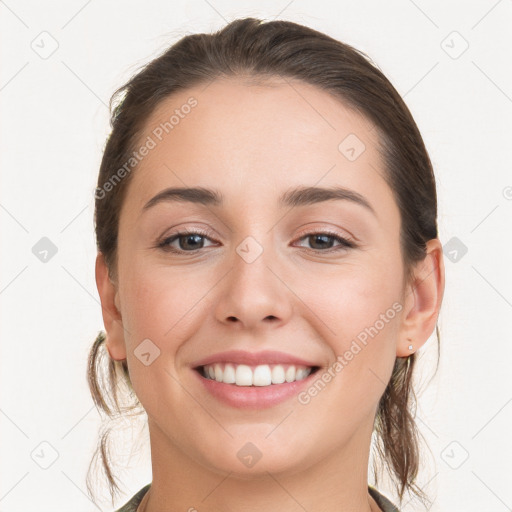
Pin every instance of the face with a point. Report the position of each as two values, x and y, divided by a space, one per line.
319 281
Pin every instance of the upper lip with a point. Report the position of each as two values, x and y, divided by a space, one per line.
253 358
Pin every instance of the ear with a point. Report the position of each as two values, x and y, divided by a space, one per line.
423 300
110 309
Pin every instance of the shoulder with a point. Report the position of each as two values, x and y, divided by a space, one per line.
382 501
134 502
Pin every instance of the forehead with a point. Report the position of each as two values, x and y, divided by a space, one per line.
254 140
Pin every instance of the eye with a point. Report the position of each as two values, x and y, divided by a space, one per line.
322 241
191 240
188 240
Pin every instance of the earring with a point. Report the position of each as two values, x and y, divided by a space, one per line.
410 346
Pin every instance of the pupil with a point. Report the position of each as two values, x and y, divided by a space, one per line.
319 237
191 237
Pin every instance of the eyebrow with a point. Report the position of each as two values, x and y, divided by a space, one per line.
299 196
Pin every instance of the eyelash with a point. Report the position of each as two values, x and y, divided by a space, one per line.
344 242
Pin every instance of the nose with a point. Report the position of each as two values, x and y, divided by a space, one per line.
254 294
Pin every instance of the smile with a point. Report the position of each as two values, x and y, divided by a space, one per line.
258 387
260 375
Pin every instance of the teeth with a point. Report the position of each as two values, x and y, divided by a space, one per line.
243 375
261 375
228 376
278 375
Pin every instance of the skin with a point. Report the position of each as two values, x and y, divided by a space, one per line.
253 142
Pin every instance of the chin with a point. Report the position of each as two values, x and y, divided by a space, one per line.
248 460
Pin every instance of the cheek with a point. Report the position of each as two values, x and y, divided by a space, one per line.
358 312
353 297
159 303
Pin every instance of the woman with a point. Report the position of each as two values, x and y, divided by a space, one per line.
268 266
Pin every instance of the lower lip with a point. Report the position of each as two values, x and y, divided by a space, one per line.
254 397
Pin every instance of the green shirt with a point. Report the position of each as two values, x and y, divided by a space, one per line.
382 501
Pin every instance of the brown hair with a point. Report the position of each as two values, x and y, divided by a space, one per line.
258 50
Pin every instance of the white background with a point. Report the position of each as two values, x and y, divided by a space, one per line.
53 128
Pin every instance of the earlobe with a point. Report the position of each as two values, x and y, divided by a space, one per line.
423 301
110 309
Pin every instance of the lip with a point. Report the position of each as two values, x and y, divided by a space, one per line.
254 358
254 397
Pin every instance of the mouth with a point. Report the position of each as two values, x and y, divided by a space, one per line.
254 380
263 375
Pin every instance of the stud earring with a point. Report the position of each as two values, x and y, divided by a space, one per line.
410 346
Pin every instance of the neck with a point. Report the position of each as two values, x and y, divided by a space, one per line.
337 482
